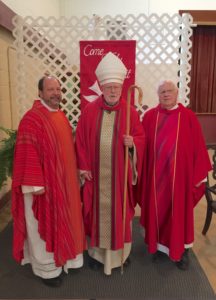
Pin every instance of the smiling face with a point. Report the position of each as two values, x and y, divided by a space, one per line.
112 92
51 92
168 95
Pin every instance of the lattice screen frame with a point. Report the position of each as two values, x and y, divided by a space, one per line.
51 46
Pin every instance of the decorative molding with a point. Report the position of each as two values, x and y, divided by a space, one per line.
6 16
201 17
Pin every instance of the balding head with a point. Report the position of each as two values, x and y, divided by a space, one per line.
168 94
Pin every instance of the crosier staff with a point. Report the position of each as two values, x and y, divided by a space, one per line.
132 87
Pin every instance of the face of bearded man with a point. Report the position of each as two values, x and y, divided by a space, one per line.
112 92
51 93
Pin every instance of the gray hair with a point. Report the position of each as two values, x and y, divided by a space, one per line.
162 82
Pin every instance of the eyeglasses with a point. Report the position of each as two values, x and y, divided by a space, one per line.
113 88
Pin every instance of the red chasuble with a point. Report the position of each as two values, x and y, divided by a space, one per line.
88 150
45 156
176 161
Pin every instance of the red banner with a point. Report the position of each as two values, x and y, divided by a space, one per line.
91 53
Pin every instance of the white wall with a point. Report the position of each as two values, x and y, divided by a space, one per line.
125 7
34 8
79 8
103 7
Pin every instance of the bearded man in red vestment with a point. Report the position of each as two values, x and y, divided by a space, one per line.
100 144
175 168
46 205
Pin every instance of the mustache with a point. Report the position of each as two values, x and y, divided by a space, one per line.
55 97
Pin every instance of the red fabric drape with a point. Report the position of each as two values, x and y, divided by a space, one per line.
203 71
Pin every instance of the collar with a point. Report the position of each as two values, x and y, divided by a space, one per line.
105 106
44 104
172 110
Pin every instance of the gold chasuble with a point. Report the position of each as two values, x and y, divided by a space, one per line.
104 254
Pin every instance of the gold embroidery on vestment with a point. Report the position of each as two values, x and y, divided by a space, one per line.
105 180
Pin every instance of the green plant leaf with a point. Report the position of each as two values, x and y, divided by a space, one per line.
7 146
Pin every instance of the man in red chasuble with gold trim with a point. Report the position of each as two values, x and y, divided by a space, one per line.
175 169
100 145
46 205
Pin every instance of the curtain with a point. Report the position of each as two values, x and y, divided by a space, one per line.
203 70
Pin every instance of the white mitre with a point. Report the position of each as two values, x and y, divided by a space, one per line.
110 69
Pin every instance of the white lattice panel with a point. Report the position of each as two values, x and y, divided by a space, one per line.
51 46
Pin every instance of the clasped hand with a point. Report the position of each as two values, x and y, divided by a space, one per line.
128 141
